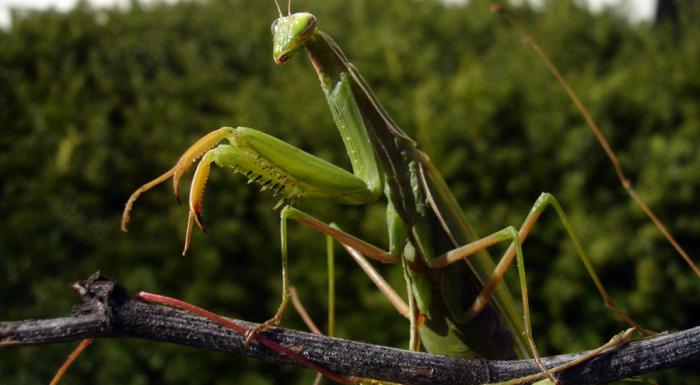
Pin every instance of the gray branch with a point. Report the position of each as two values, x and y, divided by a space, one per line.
108 311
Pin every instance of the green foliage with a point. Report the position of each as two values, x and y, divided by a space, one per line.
94 103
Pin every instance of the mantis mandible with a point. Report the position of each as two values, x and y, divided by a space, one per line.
457 304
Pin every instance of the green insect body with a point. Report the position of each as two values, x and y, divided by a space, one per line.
443 295
458 305
384 159
261 158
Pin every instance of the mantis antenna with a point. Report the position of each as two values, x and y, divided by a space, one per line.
289 7
278 8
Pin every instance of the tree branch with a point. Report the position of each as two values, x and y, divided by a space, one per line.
108 311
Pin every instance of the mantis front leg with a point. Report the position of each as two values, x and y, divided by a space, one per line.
271 163
276 166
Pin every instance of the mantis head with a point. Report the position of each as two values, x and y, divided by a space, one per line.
290 33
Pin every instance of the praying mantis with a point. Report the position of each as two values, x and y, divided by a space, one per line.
457 305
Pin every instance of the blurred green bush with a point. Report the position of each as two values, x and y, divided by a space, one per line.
93 103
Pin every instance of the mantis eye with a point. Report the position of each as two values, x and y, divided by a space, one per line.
273 28
309 27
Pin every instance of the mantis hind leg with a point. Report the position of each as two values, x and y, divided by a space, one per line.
514 252
546 200
508 234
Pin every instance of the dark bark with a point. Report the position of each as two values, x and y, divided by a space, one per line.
108 311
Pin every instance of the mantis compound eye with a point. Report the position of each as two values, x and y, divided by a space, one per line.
309 27
273 27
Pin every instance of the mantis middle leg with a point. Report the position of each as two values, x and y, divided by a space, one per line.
334 232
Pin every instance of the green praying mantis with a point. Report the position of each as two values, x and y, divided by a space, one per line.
457 304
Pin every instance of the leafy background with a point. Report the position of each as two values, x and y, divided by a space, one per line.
95 102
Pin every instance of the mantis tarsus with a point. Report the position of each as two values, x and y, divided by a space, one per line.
456 304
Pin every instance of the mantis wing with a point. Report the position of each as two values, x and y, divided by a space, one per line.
486 334
454 223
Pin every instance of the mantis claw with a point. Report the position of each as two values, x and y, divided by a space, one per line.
266 161
200 224
126 215
199 182
183 164
253 332
188 233
193 153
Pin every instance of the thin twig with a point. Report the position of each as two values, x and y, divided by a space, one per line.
299 307
69 361
107 311
626 182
